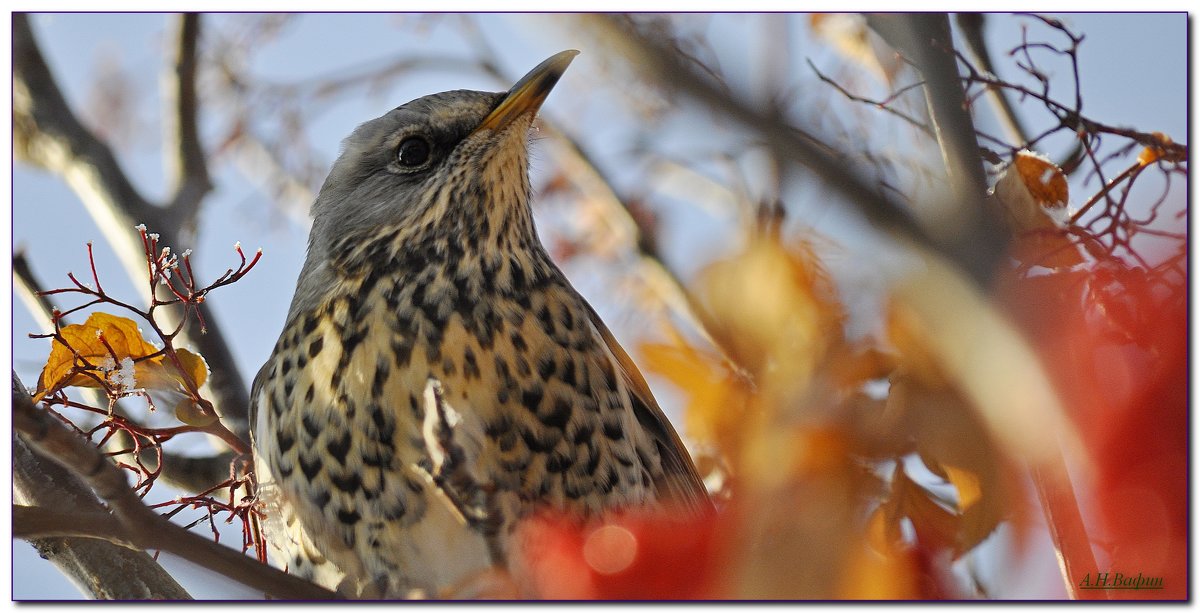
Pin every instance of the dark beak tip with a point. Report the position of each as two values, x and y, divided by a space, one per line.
527 94
551 68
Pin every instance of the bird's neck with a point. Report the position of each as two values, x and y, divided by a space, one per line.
474 230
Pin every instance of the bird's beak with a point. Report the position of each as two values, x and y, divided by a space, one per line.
527 95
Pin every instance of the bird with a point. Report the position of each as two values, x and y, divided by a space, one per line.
425 276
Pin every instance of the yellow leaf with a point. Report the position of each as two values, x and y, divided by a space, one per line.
774 307
112 349
714 396
120 334
187 412
161 373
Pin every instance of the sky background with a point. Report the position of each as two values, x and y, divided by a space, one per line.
1134 74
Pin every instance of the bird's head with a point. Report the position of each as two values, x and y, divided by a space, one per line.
441 150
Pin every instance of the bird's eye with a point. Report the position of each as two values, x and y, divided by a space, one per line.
413 152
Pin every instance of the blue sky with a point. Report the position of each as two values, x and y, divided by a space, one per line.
1134 74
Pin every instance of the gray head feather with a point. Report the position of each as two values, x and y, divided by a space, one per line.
367 188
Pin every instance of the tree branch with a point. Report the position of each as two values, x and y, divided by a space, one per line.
145 528
188 163
99 569
30 522
191 474
27 286
47 133
972 230
971 26
789 143
1067 531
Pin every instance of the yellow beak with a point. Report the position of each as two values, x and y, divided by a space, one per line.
529 93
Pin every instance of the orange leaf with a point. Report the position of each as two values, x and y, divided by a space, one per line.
1046 182
714 396
120 334
870 576
967 484
111 348
1150 155
1034 193
936 527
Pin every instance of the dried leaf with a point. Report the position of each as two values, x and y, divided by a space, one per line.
1045 181
161 373
187 412
1051 248
112 348
1034 193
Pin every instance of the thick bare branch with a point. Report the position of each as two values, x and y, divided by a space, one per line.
31 522
973 230
188 164
144 527
99 569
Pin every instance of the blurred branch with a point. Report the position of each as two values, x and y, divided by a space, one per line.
47 133
99 569
142 527
188 163
883 105
975 231
27 286
658 272
971 26
925 37
1067 530
787 142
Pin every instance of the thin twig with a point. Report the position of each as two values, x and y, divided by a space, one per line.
47 133
792 144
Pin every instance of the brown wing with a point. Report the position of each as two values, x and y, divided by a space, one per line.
680 482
